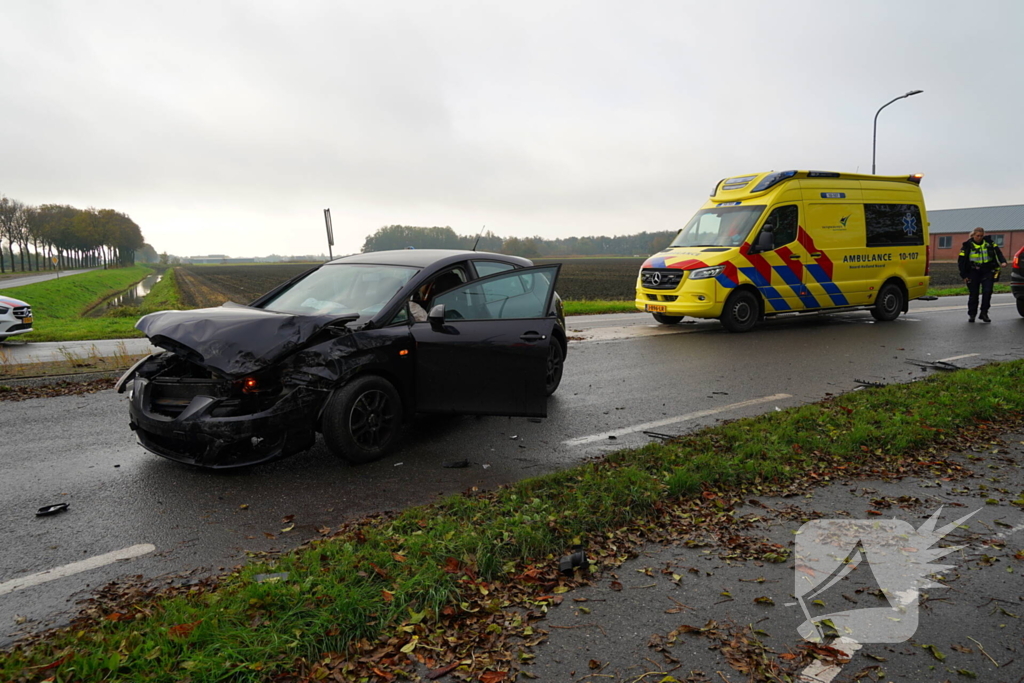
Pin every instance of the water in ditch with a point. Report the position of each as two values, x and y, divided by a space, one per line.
129 297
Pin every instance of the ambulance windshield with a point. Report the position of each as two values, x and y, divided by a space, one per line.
721 226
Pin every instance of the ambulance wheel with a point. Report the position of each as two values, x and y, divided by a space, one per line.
889 303
741 311
1020 308
667 319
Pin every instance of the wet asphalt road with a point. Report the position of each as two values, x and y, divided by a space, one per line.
623 372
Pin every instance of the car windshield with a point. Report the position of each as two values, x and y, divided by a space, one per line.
722 226
342 289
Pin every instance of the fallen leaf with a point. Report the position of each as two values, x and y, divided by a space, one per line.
437 673
183 630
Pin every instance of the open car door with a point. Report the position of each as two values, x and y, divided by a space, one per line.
484 349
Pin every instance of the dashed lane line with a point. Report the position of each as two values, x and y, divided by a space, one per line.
581 440
76 567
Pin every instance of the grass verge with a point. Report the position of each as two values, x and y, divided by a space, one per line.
57 305
596 307
962 291
446 585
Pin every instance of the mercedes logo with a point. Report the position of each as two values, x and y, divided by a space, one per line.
655 278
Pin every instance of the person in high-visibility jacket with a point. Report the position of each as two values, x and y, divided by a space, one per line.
980 259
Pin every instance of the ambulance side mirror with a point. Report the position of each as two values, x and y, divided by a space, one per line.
765 241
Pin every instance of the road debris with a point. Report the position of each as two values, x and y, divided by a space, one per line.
51 509
577 560
934 364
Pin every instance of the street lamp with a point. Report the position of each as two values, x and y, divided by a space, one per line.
874 134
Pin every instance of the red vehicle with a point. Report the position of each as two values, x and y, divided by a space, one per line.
1017 280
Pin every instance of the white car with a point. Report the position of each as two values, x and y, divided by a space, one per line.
15 317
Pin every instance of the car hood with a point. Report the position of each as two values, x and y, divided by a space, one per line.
689 258
234 340
9 301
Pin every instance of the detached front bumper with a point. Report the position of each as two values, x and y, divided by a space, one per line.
202 436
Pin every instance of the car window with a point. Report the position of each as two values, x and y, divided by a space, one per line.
515 294
401 317
485 268
342 289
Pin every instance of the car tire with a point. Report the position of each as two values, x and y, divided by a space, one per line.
556 363
362 420
741 311
1020 309
889 303
667 319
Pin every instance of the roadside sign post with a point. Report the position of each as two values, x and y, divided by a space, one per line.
330 233
54 260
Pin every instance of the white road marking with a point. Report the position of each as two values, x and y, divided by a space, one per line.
75 567
966 355
961 307
824 673
579 441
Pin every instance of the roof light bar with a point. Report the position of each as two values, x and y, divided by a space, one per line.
773 179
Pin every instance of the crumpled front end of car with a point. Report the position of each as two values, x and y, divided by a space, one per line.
183 411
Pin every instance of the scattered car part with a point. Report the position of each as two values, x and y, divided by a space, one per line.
577 560
51 509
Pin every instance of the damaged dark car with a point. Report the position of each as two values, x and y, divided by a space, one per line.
352 350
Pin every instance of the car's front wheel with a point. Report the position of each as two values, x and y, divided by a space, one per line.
363 419
556 362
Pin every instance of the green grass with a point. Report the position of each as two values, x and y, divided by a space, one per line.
58 305
388 578
962 291
595 307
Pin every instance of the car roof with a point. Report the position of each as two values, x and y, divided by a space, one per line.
420 258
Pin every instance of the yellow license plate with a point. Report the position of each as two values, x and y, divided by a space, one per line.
655 308
27 320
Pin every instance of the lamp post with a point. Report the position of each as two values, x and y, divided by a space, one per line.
874 134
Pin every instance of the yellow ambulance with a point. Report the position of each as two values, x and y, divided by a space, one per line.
775 243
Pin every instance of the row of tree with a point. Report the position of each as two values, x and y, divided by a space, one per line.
405 236
76 238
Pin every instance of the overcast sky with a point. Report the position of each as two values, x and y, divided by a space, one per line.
227 127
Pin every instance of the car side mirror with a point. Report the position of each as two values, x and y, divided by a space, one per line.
436 317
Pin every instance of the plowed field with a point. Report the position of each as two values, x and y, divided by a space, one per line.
204 286
610 279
